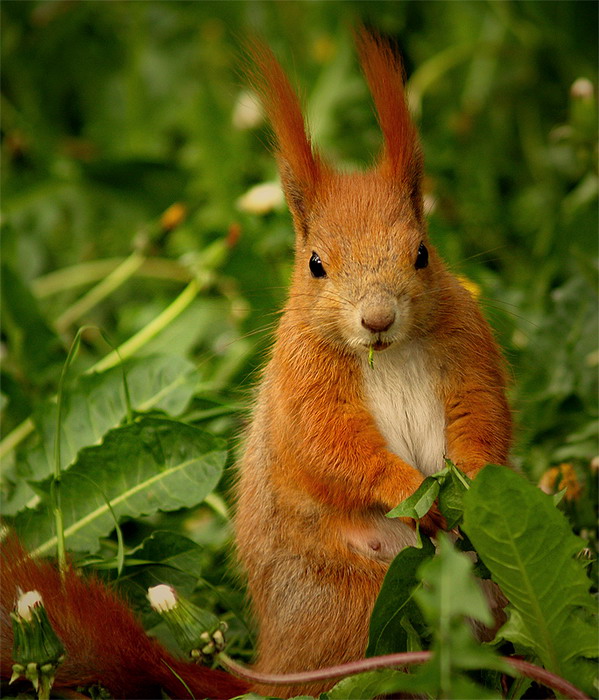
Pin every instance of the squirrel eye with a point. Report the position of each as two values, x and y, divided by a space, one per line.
421 257
316 267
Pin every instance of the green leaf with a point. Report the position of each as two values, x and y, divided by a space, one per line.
171 550
370 685
449 597
451 495
419 503
94 405
152 464
395 602
529 548
450 591
163 557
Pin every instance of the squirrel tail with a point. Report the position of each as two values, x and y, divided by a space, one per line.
104 642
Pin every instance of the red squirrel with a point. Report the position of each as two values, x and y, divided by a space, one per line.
382 366
104 642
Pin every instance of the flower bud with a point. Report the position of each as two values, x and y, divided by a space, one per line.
37 650
262 198
26 603
198 632
173 216
248 112
162 597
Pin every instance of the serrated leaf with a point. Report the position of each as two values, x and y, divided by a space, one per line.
152 464
464 688
395 600
529 548
419 503
94 405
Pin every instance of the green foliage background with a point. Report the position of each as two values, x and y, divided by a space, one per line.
114 111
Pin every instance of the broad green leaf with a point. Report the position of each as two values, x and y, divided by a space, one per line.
170 550
529 548
93 405
395 601
163 557
152 464
413 637
418 504
371 684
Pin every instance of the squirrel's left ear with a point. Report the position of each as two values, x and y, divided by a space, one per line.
301 168
401 159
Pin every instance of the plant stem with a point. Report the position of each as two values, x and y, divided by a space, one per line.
89 272
126 350
61 548
541 675
348 669
96 294
137 341
55 491
16 436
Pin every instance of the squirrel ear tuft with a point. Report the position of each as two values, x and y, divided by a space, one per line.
401 159
300 166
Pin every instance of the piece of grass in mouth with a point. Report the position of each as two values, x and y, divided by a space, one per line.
371 356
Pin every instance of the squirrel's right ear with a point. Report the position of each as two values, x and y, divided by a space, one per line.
300 167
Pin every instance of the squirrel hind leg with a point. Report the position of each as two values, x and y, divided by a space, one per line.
319 620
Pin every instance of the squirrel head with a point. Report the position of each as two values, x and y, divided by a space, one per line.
364 268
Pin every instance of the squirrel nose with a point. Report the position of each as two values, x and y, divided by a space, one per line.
378 319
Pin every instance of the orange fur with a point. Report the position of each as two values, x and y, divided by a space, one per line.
384 72
334 444
302 168
104 642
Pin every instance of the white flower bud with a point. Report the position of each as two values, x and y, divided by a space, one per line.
162 597
248 112
582 88
262 198
26 602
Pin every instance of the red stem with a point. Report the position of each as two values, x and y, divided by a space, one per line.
532 671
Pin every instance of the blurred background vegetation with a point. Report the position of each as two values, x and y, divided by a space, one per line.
129 142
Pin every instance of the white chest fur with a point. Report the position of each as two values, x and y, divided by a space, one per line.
401 397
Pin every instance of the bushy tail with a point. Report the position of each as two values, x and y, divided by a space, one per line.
104 642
